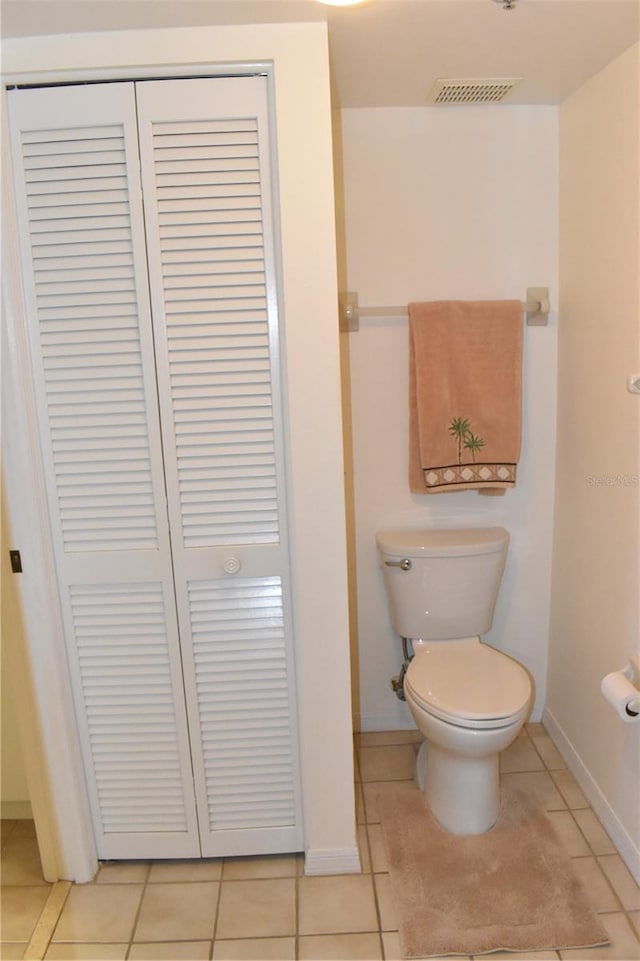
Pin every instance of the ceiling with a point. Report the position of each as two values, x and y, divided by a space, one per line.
389 52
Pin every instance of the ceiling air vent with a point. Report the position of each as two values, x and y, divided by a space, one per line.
472 91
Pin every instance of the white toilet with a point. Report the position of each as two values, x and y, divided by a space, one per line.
469 700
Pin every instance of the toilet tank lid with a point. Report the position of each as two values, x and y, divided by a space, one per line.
441 542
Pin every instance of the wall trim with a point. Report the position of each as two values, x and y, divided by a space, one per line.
127 74
383 722
16 811
619 835
332 861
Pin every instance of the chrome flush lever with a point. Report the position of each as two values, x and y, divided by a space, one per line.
404 564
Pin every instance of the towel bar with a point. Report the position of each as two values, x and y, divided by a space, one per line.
536 309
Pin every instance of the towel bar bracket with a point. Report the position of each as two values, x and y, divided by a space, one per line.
349 312
536 309
537 306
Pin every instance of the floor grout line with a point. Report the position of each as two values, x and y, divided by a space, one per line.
38 944
138 911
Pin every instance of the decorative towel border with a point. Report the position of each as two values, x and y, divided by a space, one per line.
462 476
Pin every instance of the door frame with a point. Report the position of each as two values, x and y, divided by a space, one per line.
48 730
295 58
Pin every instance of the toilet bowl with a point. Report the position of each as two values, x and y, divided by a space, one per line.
468 699
470 702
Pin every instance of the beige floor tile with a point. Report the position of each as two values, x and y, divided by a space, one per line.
6 827
257 909
171 951
634 917
340 947
12 950
182 871
595 884
520 756
178 912
336 905
386 905
378 852
569 833
374 788
534 729
570 789
548 752
360 815
80 951
266 866
255 949
21 908
391 946
624 944
123 872
621 881
593 831
20 861
24 828
363 848
395 762
539 787
99 912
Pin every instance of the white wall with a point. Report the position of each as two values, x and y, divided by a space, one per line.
448 203
304 162
594 619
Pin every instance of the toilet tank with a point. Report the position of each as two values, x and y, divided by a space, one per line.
450 587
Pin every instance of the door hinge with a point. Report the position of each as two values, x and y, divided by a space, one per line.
16 562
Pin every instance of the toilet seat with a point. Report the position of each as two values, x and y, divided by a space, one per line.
467 683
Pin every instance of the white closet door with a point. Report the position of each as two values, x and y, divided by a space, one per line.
77 182
206 179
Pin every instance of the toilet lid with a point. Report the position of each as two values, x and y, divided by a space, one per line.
467 683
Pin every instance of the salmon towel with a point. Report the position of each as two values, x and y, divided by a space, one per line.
465 383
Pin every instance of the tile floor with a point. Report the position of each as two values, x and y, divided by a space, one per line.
264 908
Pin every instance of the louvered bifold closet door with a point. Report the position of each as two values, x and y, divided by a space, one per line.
206 175
84 263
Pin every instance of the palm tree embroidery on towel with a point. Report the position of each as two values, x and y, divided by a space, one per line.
460 428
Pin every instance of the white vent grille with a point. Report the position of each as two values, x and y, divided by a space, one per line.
471 91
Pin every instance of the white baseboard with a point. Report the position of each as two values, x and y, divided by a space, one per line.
332 861
624 844
400 721
16 811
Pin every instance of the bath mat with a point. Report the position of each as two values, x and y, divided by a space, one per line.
512 888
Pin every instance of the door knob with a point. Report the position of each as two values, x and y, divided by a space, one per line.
231 565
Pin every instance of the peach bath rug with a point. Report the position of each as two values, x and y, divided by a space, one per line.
512 888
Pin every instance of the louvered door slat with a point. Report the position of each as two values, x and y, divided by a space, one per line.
75 340
77 344
86 280
211 257
257 728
